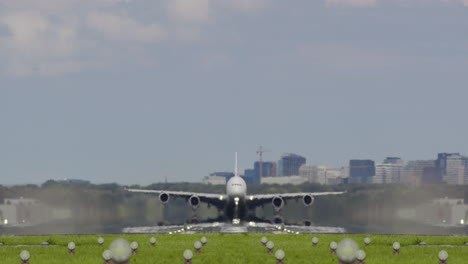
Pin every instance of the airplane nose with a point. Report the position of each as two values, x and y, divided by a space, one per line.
237 191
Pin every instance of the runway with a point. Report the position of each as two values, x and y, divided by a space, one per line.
228 228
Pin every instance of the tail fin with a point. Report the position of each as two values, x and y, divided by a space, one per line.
235 169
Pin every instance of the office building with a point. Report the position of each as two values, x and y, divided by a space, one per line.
441 165
294 180
457 170
214 180
268 169
393 160
279 168
332 175
290 164
387 173
249 173
321 174
413 171
307 170
251 177
345 175
432 175
441 161
361 171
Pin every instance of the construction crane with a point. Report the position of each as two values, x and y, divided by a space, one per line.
260 152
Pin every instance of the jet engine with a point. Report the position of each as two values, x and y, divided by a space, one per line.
164 198
277 203
307 222
194 201
307 200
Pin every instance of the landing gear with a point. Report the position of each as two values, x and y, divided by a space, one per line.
278 219
194 218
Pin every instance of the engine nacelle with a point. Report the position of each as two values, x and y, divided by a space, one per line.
307 222
164 198
194 201
307 200
277 203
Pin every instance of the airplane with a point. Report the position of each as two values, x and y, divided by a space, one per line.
236 202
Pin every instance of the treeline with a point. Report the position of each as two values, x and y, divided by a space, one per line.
110 205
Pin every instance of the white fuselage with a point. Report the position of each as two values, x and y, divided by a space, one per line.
236 187
236 190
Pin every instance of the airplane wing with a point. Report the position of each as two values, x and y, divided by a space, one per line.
210 198
307 198
270 196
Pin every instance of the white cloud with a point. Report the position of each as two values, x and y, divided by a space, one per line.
189 11
124 28
34 35
56 6
34 40
353 3
50 38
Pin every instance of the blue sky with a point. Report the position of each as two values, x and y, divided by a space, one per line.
135 91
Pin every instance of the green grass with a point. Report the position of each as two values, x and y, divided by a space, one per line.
233 249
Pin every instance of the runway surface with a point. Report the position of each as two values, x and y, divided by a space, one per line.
229 228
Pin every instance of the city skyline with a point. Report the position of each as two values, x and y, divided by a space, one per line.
447 168
137 91
442 161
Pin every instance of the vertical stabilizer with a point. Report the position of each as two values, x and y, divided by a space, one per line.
235 168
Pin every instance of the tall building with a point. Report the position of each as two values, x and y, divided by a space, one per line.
249 173
333 175
387 173
457 170
279 170
414 170
308 171
432 175
250 177
290 164
441 164
320 174
361 171
393 160
441 161
268 168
